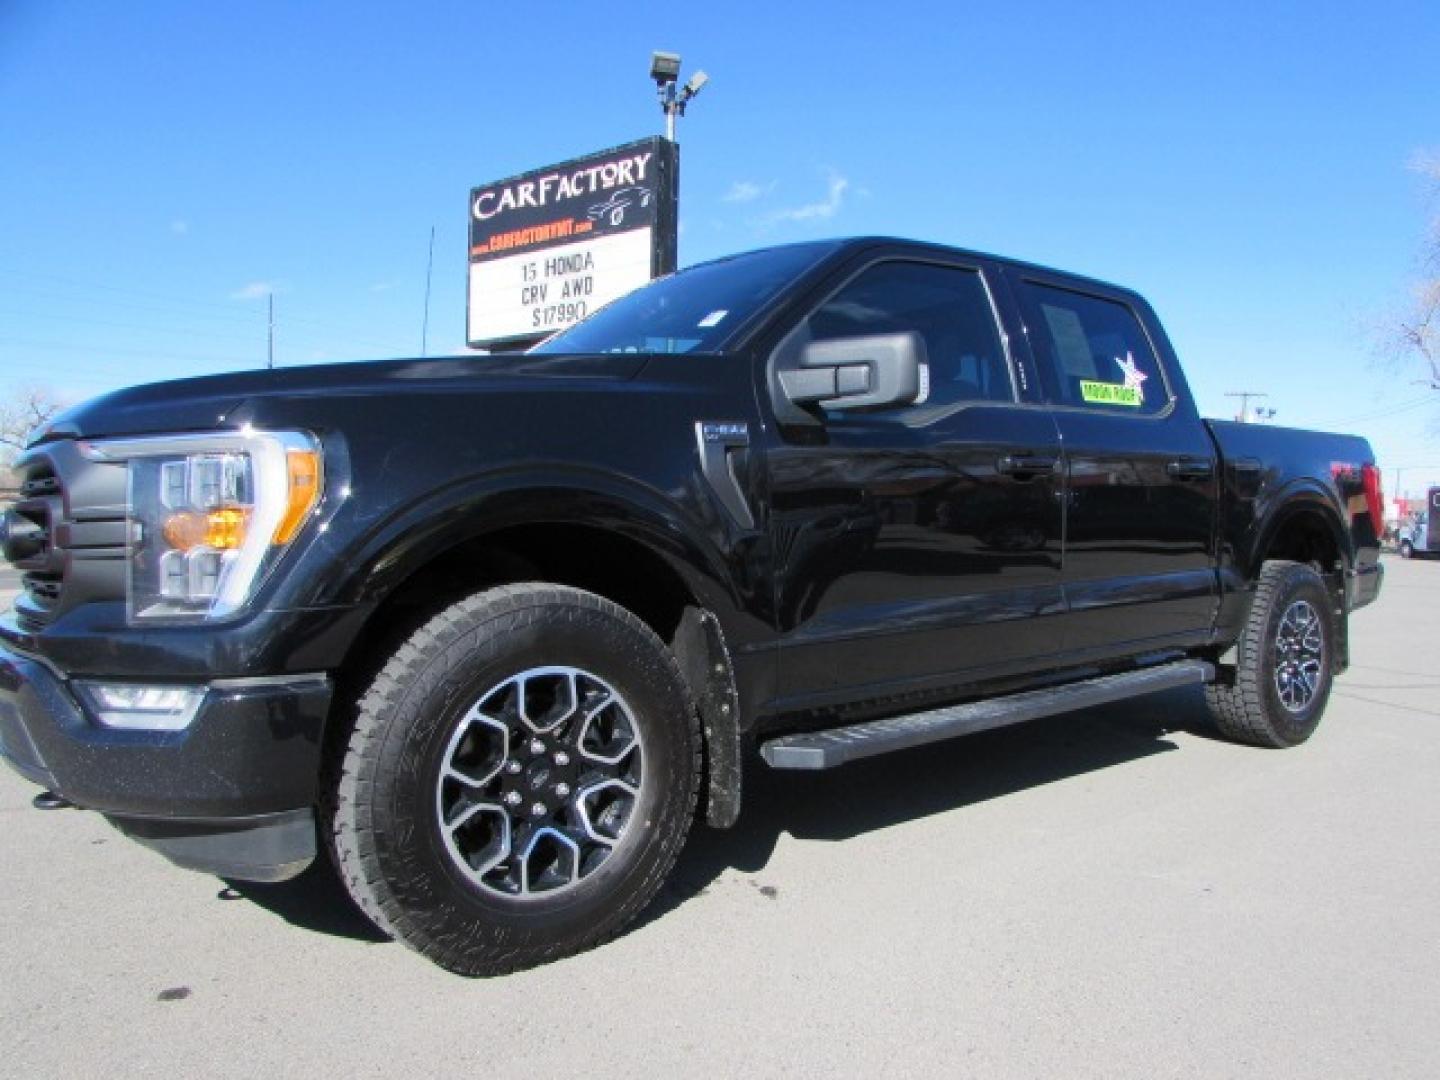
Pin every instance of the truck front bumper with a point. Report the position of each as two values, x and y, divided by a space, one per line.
231 794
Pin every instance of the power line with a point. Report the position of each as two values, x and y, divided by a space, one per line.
1404 406
305 336
211 309
216 308
85 320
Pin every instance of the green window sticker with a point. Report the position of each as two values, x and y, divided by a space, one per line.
1110 393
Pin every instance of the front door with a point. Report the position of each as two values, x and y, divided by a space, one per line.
918 546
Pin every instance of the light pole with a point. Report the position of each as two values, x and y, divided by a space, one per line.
665 70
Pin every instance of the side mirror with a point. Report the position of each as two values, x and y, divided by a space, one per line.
857 372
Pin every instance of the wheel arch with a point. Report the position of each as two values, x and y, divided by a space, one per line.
615 539
1303 525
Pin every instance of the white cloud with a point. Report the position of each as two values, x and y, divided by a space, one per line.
382 286
179 227
818 211
743 191
255 290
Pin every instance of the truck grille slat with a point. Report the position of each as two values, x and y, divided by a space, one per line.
67 554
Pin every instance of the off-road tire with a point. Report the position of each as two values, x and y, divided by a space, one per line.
385 835
1249 708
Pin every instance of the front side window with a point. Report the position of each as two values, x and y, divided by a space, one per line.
947 306
1099 355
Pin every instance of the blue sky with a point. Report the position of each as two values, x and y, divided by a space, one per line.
163 164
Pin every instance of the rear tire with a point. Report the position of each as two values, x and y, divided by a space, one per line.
1284 663
521 776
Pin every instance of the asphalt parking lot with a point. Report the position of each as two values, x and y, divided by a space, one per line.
1114 893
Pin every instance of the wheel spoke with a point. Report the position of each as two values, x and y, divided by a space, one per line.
549 860
604 810
461 778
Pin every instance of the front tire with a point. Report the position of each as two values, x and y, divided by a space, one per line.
521 776
1284 663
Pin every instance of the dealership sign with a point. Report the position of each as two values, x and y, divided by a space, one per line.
551 246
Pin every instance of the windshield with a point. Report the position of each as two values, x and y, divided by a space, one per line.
692 311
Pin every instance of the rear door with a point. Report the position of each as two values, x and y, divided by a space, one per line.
917 547
1141 472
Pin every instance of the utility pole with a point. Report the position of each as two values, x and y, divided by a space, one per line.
1245 396
270 336
425 323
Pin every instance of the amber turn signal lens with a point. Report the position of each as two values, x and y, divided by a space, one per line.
223 530
304 469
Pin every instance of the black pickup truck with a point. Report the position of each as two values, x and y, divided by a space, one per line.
488 629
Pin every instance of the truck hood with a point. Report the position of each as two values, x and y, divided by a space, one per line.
203 403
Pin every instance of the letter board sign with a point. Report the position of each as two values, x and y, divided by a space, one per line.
549 247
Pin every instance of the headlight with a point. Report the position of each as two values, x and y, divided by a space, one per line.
209 515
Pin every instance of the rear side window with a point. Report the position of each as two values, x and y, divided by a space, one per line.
947 306
1099 355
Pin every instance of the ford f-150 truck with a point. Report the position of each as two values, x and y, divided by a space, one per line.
491 631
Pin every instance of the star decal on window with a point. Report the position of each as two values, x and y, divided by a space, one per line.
1133 375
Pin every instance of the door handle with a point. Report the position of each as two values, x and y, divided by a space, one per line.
1191 469
1027 466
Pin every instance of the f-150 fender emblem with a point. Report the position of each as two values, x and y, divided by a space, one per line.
719 442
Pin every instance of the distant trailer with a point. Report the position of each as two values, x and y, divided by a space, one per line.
1421 536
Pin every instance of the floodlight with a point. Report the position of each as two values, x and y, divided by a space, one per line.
696 83
664 67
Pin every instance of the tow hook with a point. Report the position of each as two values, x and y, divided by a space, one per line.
48 800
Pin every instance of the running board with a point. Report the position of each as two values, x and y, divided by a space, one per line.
827 749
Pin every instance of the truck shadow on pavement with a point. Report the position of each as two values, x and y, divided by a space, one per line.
315 901
912 784
836 805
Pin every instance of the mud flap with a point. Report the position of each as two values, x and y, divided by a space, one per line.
699 648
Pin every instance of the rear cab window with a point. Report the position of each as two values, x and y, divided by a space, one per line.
1093 352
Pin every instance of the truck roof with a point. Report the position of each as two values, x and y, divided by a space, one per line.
1019 264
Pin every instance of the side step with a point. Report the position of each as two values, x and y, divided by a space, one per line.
827 749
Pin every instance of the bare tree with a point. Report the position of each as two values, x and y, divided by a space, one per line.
22 410
1414 332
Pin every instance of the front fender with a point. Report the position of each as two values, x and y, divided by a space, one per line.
715 560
